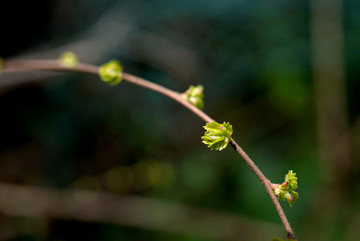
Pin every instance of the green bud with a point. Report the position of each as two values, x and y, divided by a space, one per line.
111 72
217 136
194 95
69 59
286 190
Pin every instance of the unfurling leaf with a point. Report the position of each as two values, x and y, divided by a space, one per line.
217 136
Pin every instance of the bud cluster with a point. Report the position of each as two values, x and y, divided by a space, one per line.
194 95
286 190
111 72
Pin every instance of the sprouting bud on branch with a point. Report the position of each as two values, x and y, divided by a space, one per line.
111 72
217 136
286 190
194 95
69 59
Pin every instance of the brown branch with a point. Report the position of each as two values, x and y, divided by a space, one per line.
267 184
11 66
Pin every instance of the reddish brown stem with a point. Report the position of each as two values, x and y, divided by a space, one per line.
10 66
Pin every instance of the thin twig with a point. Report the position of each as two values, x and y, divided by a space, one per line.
12 66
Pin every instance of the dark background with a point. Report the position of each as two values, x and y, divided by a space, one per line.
283 74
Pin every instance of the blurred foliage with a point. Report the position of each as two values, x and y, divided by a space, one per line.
252 57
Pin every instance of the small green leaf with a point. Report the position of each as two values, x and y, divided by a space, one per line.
194 95
69 59
286 190
291 179
111 72
217 136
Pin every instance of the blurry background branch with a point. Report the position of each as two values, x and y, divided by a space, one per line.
147 213
335 161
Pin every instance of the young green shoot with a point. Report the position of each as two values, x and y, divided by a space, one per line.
195 95
217 136
69 59
111 72
286 190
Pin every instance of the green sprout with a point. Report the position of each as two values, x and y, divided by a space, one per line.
194 95
111 72
217 136
286 190
69 59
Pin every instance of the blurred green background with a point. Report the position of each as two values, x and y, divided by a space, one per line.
80 160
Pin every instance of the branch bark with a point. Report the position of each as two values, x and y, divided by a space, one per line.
11 66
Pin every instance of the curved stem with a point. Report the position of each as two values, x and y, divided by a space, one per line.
12 66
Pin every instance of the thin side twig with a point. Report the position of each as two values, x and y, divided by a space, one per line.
12 66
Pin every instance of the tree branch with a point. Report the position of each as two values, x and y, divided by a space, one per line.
12 66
